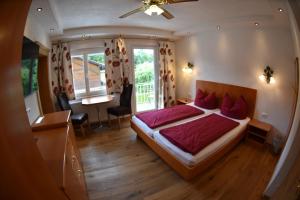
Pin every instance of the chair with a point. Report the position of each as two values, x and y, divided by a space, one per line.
78 119
125 105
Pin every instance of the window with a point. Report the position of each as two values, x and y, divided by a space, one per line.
89 73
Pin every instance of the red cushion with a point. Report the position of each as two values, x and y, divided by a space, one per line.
227 103
208 102
236 110
200 95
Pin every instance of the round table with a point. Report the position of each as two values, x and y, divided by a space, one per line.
96 101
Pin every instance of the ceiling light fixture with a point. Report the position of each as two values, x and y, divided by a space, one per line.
219 27
280 9
39 9
256 24
154 9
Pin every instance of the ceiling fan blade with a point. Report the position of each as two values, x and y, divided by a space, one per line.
179 1
141 9
167 14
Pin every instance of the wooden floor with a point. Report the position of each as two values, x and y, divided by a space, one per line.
119 166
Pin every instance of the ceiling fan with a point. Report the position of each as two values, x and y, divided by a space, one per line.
155 6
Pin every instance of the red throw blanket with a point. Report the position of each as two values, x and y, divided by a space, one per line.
194 136
158 118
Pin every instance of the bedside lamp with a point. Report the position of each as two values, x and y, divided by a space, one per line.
188 68
267 75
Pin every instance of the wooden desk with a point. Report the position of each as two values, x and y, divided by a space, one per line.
96 101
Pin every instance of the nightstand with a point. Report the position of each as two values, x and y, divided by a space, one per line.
181 101
258 130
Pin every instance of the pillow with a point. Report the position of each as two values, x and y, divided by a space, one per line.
227 103
236 110
208 102
200 95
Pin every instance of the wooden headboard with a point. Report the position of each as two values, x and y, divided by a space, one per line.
234 91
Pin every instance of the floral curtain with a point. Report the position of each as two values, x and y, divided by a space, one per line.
117 68
166 74
61 70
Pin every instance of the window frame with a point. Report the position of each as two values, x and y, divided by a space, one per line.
85 53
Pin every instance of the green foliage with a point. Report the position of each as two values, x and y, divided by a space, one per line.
144 73
29 78
99 58
143 62
141 56
35 75
25 74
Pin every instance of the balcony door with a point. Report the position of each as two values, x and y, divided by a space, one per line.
145 79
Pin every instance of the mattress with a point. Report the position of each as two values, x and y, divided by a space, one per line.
190 160
150 132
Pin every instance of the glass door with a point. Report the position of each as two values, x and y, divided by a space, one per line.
144 71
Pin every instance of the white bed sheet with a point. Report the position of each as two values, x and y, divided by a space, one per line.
191 160
150 132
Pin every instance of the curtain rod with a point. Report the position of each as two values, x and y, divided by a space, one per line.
89 39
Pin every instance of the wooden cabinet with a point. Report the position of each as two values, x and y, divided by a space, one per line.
57 144
258 130
74 183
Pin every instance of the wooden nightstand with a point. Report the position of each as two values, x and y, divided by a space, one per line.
258 130
181 101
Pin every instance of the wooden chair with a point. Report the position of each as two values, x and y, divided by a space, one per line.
125 105
78 119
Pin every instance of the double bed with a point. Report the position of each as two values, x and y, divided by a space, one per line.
189 164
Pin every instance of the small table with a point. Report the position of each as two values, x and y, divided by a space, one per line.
259 130
183 101
96 101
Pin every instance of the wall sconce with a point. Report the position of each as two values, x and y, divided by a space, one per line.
267 75
188 68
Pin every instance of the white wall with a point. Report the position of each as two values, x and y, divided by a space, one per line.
99 43
238 56
292 148
36 33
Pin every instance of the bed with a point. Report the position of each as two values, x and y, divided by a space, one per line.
185 164
150 132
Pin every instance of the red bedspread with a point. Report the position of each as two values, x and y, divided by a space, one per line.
158 118
193 136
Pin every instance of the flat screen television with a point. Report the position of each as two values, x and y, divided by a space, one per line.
29 70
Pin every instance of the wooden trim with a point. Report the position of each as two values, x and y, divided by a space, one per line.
44 51
295 99
234 91
46 100
183 170
295 8
24 174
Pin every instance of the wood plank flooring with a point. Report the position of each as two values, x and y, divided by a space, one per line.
118 165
